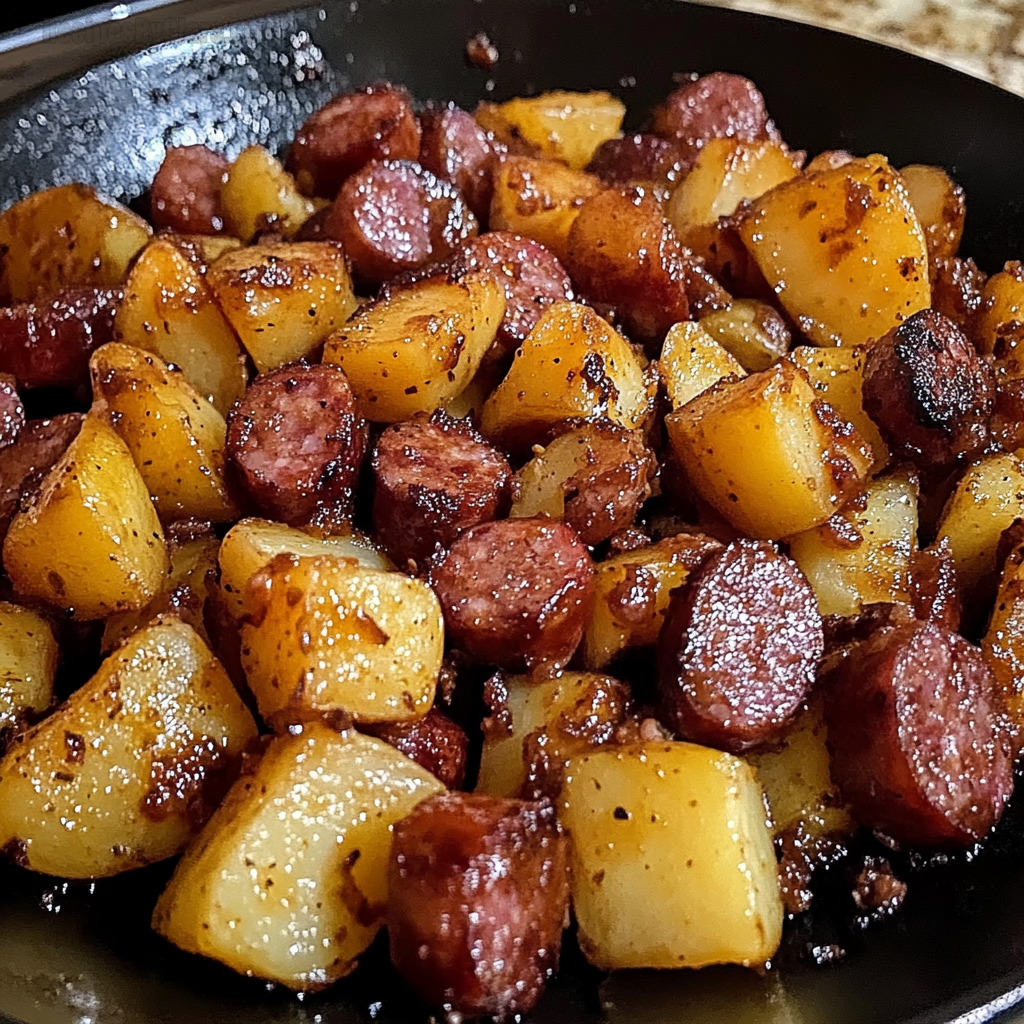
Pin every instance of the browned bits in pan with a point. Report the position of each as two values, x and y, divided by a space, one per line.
516 592
185 195
342 137
739 648
477 897
481 52
12 411
434 742
295 442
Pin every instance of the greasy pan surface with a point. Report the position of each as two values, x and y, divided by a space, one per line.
84 954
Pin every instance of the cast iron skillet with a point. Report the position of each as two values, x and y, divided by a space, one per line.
84 954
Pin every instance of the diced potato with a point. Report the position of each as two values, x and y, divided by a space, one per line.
567 126
322 634
168 309
989 497
862 555
573 365
691 361
28 664
129 768
203 250
1002 305
176 437
838 376
260 195
288 881
672 860
417 348
547 711
539 199
283 300
91 541
64 236
843 250
940 206
751 331
726 172
1003 643
183 593
252 544
766 455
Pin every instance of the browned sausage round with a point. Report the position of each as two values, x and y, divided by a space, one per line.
47 344
919 742
739 648
12 411
395 216
477 896
342 137
928 390
296 442
516 592
717 106
185 195
457 149
638 159
934 591
434 742
434 478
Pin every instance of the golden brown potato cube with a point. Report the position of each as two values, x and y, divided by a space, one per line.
539 199
726 172
65 236
322 634
566 126
843 250
767 453
175 436
283 300
989 497
131 766
940 206
691 361
28 664
672 861
417 348
288 881
1002 307
168 309
573 365
862 555
1003 643
90 541
751 331
838 376
260 195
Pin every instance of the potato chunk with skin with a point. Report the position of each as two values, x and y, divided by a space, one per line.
417 348
752 331
691 361
90 541
843 250
769 455
175 436
283 300
288 881
672 862
126 771
573 365
321 634
862 555
940 206
66 236
259 194
168 309
1002 307
28 664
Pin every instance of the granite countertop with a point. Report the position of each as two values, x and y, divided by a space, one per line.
985 38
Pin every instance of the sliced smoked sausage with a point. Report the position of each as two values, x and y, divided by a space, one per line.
185 195
739 648
434 742
640 159
12 411
295 442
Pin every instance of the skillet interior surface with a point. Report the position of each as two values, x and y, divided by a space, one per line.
84 954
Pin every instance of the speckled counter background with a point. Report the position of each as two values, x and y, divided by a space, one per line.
985 38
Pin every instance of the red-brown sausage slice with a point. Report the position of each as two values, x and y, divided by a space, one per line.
185 195
477 896
296 442
434 742
434 478
342 137
640 159
919 743
739 648
934 591
12 411
516 592
47 344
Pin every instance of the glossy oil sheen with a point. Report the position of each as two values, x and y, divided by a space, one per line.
68 954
